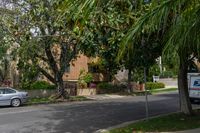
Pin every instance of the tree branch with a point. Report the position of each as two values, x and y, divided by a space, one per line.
48 52
41 57
46 74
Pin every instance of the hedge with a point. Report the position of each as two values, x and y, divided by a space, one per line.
41 85
154 85
167 74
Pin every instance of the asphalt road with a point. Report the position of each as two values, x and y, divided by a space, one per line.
84 117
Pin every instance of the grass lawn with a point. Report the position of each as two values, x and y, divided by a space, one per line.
154 91
49 100
38 101
173 122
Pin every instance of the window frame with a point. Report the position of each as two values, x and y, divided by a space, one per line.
14 91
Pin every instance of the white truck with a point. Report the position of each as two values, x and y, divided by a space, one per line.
194 86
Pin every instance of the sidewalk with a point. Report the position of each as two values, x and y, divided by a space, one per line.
104 97
190 131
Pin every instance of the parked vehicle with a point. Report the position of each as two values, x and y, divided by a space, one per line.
194 86
12 97
197 82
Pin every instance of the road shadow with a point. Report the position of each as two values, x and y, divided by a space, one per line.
94 116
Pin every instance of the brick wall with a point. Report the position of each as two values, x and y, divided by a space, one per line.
80 63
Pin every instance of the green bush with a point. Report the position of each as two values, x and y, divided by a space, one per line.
84 78
41 85
167 74
154 85
110 88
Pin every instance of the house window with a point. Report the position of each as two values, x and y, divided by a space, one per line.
67 68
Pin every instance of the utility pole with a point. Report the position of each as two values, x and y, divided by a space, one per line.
160 64
146 95
145 80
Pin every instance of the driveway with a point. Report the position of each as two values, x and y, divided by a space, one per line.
85 117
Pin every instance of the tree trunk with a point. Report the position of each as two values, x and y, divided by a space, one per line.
60 88
185 105
129 80
110 77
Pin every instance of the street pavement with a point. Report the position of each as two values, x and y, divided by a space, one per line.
83 117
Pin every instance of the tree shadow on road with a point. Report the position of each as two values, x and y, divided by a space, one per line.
87 118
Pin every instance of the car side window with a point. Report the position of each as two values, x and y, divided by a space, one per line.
1 91
9 91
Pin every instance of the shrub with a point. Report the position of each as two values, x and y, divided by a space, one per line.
154 85
110 88
84 78
24 85
41 85
167 74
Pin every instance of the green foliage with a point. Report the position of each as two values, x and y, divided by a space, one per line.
154 85
84 78
171 63
28 74
167 123
43 100
167 74
48 100
105 28
163 90
47 40
39 85
43 85
138 74
5 44
110 88
153 71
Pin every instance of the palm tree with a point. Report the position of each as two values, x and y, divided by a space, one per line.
181 23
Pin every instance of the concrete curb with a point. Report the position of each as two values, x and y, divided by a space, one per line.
197 130
130 122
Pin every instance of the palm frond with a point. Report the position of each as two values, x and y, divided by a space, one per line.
181 19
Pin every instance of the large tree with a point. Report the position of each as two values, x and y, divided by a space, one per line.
47 41
6 15
105 27
179 19
181 38
4 58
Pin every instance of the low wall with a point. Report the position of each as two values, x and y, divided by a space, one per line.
86 92
169 82
48 93
40 93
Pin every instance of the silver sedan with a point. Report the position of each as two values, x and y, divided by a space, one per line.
10 96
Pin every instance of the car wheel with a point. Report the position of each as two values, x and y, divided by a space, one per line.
15 102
